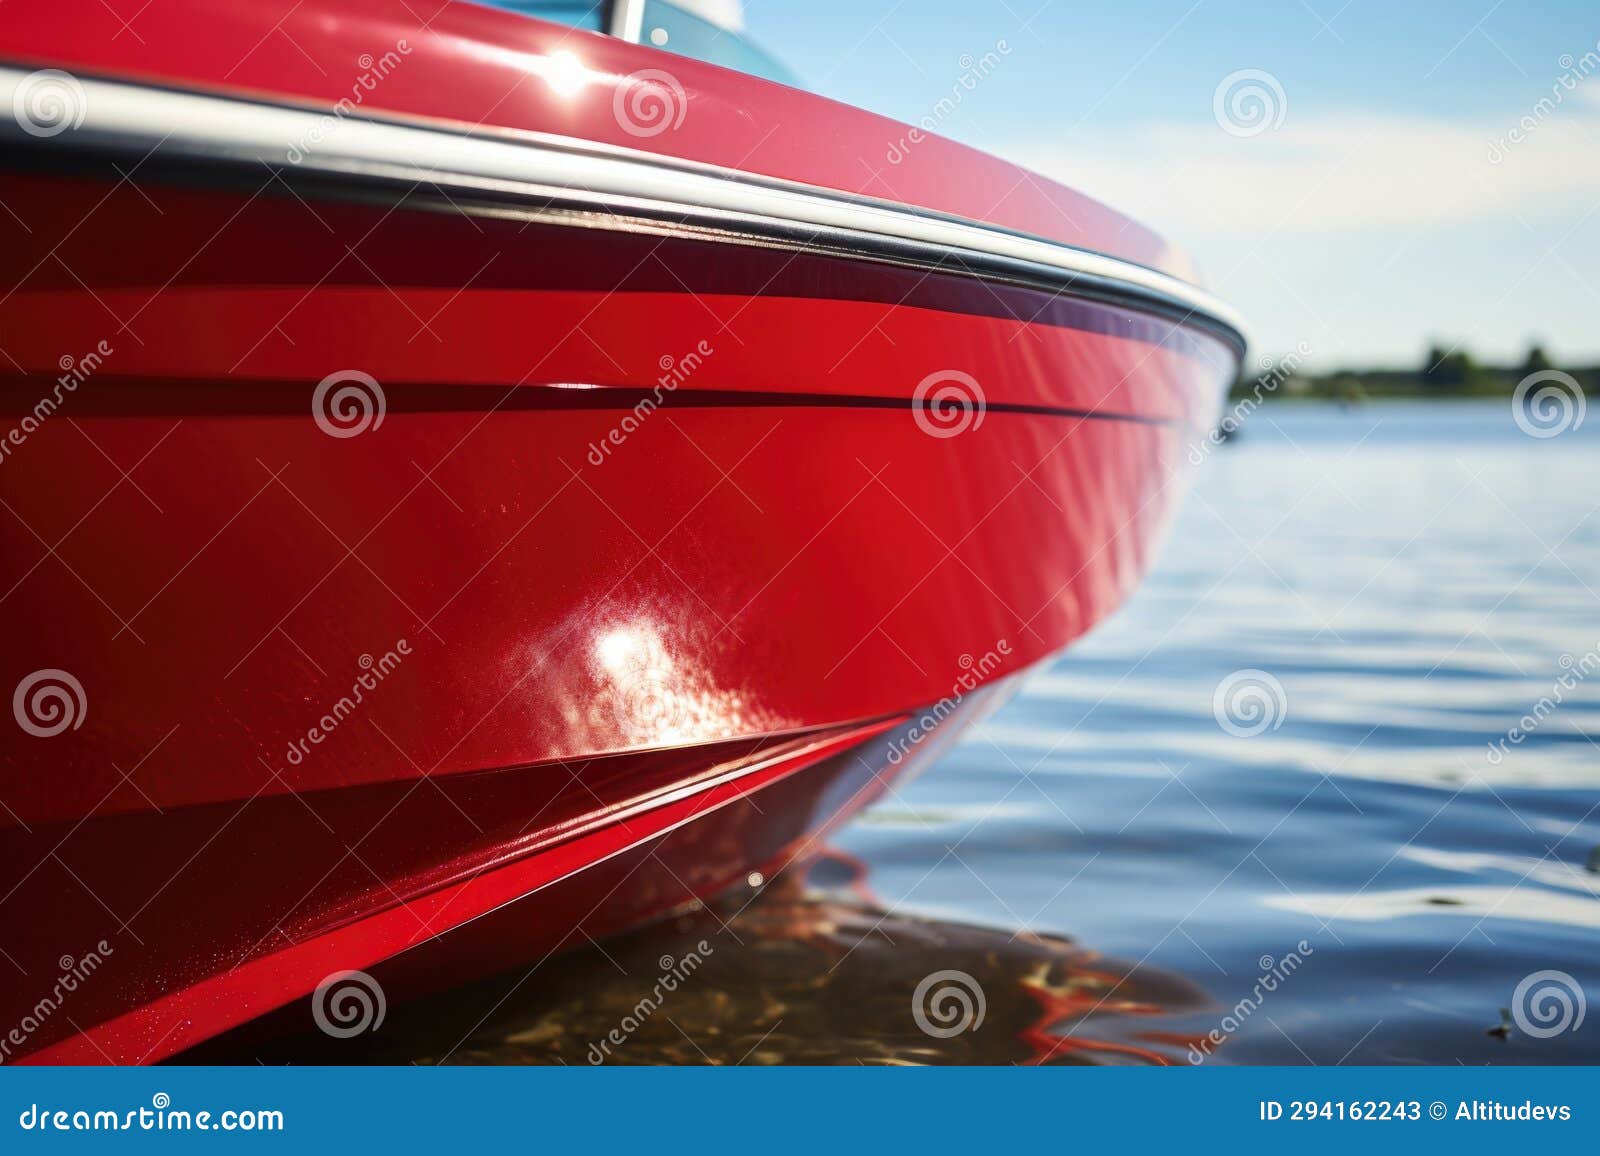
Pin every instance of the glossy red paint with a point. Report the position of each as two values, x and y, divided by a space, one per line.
544 884
784 820
495 69
544 305
493 522
484 662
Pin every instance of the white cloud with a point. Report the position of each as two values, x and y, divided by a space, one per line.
1370 235
1333 174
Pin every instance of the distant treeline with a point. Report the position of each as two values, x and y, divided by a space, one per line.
1443 373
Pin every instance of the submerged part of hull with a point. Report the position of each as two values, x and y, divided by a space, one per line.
812 968
393 574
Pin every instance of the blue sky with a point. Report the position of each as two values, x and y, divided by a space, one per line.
1367 223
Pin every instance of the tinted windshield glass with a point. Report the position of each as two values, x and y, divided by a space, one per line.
666 26
578 13
669 27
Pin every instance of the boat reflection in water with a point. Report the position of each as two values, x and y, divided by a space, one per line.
807 969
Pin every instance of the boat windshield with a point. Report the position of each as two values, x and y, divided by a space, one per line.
588 14
674 28
709 30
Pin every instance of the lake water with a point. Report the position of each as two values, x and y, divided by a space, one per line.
1124 872
1416 578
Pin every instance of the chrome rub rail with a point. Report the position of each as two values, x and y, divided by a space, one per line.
538 175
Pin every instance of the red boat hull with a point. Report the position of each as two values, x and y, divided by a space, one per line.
295 697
